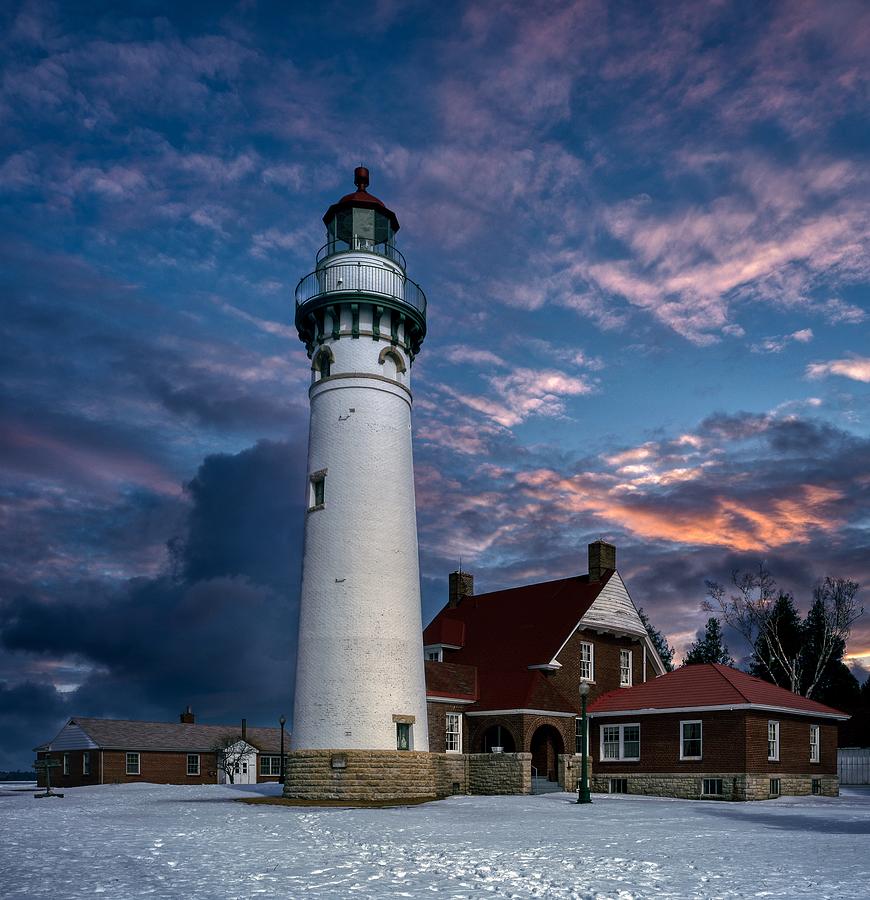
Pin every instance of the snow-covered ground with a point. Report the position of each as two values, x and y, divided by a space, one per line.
195 842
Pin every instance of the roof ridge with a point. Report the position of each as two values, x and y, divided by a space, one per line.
520 587
718 668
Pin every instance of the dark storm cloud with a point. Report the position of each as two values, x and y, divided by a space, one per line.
245 518
218 632
29 713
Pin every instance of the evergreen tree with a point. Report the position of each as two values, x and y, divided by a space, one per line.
840 688
664 650
709 646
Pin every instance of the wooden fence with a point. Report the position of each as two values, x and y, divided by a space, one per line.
853 765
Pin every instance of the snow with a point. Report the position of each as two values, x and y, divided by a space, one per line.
194 842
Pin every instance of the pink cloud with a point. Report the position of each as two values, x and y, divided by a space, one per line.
856 367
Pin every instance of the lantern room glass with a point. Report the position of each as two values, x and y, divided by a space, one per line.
358 228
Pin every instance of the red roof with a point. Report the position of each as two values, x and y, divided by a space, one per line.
707 684
504 632
451 680
445 631
361 198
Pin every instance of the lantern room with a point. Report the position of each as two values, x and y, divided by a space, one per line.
359 221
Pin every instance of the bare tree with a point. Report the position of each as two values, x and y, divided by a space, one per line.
755 609
230 751
829 623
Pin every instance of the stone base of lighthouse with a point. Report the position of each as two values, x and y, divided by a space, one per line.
386 776
373 776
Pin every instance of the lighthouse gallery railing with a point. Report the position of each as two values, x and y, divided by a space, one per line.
360 278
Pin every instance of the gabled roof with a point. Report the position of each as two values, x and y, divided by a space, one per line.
502 633
125 734
451 681
708 685
517 627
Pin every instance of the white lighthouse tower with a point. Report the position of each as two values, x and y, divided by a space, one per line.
359 676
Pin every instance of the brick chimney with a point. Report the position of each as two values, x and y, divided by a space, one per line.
244 729
602 559
187 717
461 585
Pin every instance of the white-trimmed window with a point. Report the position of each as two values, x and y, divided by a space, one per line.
434 653
132 764
86 763
620 742
587 661
66 764
625 668
691 740
270 765
453 732
193 764
712 787
814 743
773 741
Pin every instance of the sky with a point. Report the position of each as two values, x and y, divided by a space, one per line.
642 229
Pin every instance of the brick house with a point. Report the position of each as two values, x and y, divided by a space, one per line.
114 751
503 669
713 731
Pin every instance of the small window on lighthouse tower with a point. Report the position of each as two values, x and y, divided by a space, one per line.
403 736
322 364
317 490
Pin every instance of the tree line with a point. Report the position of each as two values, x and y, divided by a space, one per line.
802 654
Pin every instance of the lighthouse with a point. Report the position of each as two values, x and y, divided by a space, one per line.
359 676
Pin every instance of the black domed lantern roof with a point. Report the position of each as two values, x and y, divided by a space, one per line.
360 216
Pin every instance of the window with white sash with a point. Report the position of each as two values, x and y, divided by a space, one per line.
453 732
625 668
814 743
691 740
587 661
773 741
132 764
620 742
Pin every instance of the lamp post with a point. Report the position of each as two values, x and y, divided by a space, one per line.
583 785
282 720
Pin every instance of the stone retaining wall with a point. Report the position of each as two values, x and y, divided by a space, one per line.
735 786
499 773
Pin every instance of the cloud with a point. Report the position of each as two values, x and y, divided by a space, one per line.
523 393
856 368
778 344
218 633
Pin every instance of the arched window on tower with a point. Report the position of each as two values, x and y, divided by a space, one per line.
321 365
393 363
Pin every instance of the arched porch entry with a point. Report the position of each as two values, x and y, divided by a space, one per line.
546 746
497 736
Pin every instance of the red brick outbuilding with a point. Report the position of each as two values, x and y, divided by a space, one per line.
713 731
